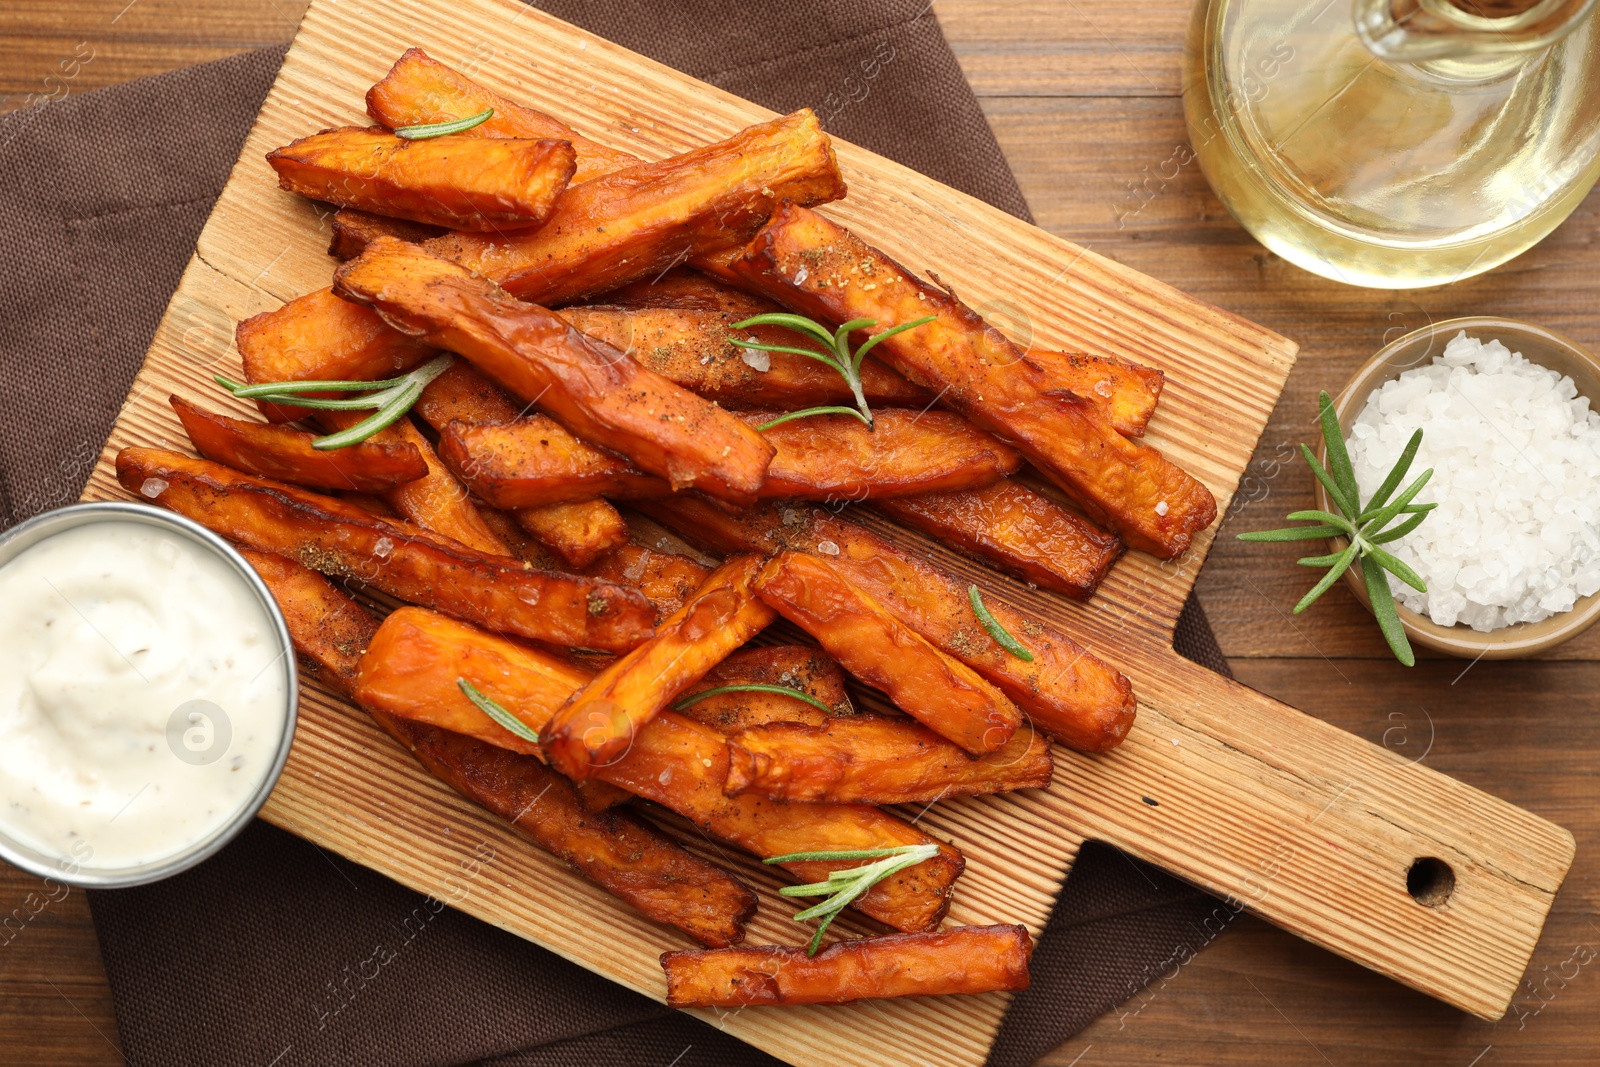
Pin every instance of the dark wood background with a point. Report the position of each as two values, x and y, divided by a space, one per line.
1084 99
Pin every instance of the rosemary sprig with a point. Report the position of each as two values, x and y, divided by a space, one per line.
1001 635
439 129
845 886
497 713
392 398
1366 527
788 691
837 354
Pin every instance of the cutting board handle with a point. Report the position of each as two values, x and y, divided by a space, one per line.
1380 859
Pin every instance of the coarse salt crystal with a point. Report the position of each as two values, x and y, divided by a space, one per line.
1161 507
1516 458
756 359
827 548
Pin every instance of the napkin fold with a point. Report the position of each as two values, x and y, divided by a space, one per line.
275 952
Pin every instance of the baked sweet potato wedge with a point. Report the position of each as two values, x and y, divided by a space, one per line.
411 671
1126 391
667 580
875 759
318 336
906 453
535 462
354 229
813 265
288 455
419 90
437 502
463 183
578 531
692 348
967 959
1018 530
1067 691
830 458
604 233
412 665
673 751
329 629
637 222
621 854
590 388
401 559
599 724
803 667
331 632
690 290
936 689
461 393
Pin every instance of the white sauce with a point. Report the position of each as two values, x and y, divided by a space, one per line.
108 632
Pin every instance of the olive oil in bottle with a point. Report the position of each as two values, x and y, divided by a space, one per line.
1395 149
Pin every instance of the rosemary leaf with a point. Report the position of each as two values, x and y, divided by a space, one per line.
1001 635
844 887
809 353
1384 611
1392 482
391 398
1341 564
497 713
263 389
808 412
1394 533
1294 533
798 323
861 353
837 354
1313 515
1397 567
439 129
1342 502
1338 455
1390 510
841 855
783 690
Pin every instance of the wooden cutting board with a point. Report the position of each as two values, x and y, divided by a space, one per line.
1307 826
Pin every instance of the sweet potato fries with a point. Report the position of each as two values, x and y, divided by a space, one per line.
412 670
341 539
598 725
617 852
803 260
591 388
968 959
552 699
462 183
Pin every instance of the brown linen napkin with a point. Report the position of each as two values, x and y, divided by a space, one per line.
275 952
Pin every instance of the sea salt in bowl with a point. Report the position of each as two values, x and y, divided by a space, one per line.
1495 528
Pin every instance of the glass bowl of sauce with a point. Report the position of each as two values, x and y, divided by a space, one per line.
147 694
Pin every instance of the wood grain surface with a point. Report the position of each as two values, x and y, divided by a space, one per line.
1056 74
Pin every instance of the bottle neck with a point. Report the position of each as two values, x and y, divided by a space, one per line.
1466 38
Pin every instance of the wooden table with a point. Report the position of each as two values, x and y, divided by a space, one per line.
1084 100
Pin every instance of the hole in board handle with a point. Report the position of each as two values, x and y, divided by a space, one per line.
1430 881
